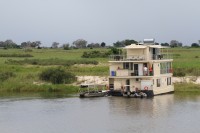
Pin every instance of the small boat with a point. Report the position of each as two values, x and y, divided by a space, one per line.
91 90
93 94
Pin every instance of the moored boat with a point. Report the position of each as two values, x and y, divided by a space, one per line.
93 94
92 90
146 67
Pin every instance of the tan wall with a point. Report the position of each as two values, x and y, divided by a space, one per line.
163 83
156 69
118 83
122 82
131 52
135 84
123 72
114 66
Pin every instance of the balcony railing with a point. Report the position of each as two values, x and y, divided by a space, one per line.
139 57
125 58
161 56
126 72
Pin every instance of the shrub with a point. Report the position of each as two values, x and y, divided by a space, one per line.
115 51
45 62
6 75
16 55
179 72
57 76
95 54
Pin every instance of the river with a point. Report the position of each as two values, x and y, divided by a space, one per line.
162 114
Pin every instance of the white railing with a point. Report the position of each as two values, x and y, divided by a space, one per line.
161 56
136 57
117 57
126 72
124 58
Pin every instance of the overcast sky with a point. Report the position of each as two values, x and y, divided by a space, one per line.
99 20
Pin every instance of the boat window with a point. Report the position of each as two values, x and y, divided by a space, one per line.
158 82
169 81
126 65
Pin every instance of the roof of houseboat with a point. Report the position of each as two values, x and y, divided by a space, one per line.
135 46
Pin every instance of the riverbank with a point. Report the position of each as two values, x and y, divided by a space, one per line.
104 79
181 84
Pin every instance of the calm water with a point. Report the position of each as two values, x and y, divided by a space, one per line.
162 114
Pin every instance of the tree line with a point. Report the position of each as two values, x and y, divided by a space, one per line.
81 43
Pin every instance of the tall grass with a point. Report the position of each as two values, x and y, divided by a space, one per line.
187 87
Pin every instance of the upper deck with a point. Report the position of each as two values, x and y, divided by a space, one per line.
142 53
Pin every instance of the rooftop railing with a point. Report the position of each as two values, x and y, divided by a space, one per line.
139 57
125 58
161 56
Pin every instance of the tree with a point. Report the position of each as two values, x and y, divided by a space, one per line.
9 44
93 45
129 42
195 45
37 43
164 44
55 45
24 44
80 43
124 43
103 44
66 46
175 43
31 44
115 51
118 44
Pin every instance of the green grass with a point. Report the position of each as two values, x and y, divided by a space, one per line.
26 74
27 70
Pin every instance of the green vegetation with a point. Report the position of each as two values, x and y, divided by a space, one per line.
46 62
186 61
23 74
95 54
57 76
16 55
186 88
6 75
101 54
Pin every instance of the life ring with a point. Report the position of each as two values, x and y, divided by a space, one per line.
145 88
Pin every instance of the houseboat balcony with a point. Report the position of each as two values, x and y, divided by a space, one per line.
161 56
125 58
126 72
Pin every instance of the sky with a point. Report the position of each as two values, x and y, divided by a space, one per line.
97 21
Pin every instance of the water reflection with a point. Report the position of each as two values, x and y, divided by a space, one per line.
149 107
167 113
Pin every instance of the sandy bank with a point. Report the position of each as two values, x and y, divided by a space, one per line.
104 80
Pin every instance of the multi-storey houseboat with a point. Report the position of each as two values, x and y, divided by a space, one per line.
144 67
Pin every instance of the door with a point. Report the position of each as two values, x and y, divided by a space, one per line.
136 69
154 53
140 70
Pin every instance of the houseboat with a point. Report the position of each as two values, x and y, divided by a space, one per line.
141 68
